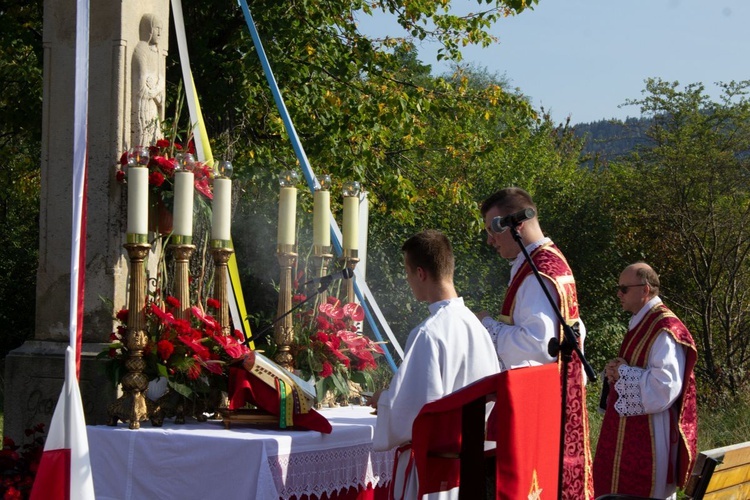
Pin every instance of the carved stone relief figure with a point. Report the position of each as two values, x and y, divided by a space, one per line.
148 83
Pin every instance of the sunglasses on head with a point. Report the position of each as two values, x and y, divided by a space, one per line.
492 232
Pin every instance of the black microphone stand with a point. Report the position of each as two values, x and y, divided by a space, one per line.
564 348
324 284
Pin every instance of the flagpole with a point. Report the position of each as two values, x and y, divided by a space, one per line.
67 446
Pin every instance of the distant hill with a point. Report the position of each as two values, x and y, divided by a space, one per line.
610 139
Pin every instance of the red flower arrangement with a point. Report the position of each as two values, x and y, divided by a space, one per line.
164 158
19 464
328 348
191 354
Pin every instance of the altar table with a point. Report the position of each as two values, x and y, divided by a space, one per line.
206 461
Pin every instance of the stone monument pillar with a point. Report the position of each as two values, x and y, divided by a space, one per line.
128 48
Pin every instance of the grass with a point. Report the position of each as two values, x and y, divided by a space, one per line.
723 424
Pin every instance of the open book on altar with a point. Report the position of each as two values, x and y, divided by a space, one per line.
271 373
266 385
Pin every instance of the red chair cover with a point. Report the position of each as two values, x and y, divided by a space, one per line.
440 430
448 436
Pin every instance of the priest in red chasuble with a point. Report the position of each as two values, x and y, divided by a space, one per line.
648 440
528 321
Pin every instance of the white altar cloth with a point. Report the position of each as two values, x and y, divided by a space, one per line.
207 461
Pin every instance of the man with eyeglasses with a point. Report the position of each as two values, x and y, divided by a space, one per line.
528 321
648 439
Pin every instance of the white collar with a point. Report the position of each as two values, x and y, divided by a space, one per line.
435 306
637 317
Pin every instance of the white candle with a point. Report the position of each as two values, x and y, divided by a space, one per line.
351 222
322 218
287 215
222 213
183 203
137 200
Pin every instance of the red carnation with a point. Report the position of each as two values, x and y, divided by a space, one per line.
323 323
122 315
182 326
12 494
213 303
327 369
173 301
156 179
124 159
120 176
320 336
164 348
162 144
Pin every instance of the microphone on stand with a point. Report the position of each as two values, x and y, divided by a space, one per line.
324 281
501 223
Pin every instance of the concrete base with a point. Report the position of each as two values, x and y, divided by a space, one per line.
34 375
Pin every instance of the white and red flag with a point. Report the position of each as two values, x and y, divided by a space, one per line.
65 469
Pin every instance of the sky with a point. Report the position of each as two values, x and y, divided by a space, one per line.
584 58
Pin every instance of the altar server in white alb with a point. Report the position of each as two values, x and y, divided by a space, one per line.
447 351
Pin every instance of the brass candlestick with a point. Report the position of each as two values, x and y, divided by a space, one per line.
284 328
322 257
350 258
133 406
221 255
182 253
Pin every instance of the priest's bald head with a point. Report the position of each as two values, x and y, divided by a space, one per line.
429 263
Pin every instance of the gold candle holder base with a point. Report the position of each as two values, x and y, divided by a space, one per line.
133 406
350 258
182 253
322 258
284 328
221 257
